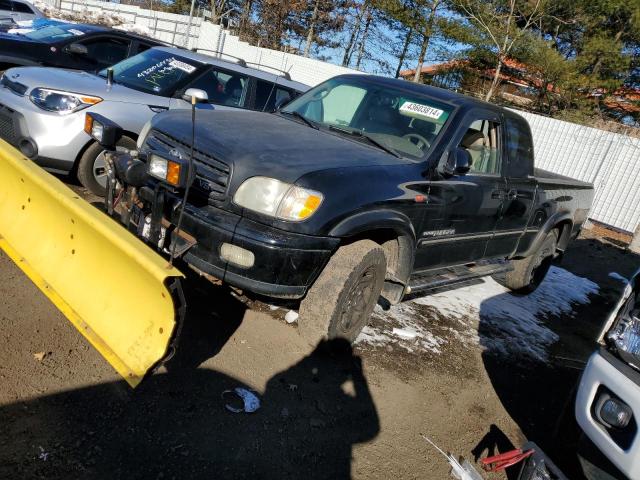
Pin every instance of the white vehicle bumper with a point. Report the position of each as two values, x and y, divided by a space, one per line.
606 374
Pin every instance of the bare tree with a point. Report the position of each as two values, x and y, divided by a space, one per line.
504 23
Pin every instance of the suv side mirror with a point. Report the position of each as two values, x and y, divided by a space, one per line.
458 162
195 95
77 49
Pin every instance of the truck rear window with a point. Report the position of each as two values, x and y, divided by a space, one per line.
406 123
519 148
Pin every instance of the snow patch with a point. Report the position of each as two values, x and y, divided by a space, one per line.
487 314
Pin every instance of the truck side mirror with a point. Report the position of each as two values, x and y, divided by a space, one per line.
77 49
462 161
458 163
195 95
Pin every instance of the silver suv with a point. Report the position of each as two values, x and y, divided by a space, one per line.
18 11
43 110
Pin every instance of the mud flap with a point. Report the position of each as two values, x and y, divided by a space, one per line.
121 295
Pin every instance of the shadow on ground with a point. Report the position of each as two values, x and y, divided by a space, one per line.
540 396
175 425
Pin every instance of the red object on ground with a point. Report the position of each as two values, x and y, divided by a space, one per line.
504 460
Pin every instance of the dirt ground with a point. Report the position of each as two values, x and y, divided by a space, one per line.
328 412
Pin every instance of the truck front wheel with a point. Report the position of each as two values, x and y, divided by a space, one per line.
528 273
341 300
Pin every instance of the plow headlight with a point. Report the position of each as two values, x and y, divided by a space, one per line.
101 129
173 172
278 199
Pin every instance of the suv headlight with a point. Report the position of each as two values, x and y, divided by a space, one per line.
61 102
277 199
625 334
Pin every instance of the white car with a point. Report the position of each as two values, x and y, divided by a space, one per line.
19 11
608 400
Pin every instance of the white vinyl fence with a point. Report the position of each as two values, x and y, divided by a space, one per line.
609 160
195 33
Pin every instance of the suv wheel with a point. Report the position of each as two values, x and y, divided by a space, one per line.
91 167
341 300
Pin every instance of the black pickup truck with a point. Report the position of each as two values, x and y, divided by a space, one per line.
363 187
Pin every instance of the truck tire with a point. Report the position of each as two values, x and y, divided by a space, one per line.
341 300
528 273
90 166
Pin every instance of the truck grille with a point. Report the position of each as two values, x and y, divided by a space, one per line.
212 175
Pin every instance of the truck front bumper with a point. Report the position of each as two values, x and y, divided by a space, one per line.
286 264
605 374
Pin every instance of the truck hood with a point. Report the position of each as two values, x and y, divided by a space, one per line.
80 82
257 143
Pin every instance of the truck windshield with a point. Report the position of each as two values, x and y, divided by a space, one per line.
153 71
404 122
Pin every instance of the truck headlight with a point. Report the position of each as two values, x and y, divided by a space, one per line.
277 199
61 102
625 334
173 172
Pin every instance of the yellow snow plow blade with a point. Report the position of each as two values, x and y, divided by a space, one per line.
117 292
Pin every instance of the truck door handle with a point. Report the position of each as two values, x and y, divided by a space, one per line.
503 194
499 194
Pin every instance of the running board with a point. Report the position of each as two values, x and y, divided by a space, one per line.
462 274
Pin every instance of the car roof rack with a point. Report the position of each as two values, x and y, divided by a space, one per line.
284 73
242 62
239 61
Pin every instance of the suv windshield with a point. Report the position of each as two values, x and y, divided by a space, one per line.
153 71
404 122
55 33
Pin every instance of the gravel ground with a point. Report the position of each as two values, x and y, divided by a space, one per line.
325 412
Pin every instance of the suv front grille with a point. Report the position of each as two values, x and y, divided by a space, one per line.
212 175
7 127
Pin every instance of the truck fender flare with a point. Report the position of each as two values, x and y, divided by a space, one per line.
552 222
374 220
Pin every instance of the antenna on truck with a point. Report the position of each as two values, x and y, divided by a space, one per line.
197 96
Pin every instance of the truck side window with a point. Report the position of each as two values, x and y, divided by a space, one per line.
106 51
482 141
519 148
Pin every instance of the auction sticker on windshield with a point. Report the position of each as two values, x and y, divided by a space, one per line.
418 110
185 67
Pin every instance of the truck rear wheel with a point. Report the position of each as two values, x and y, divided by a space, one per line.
92 172
341 300
528 273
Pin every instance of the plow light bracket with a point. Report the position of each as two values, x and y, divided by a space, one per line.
104 131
